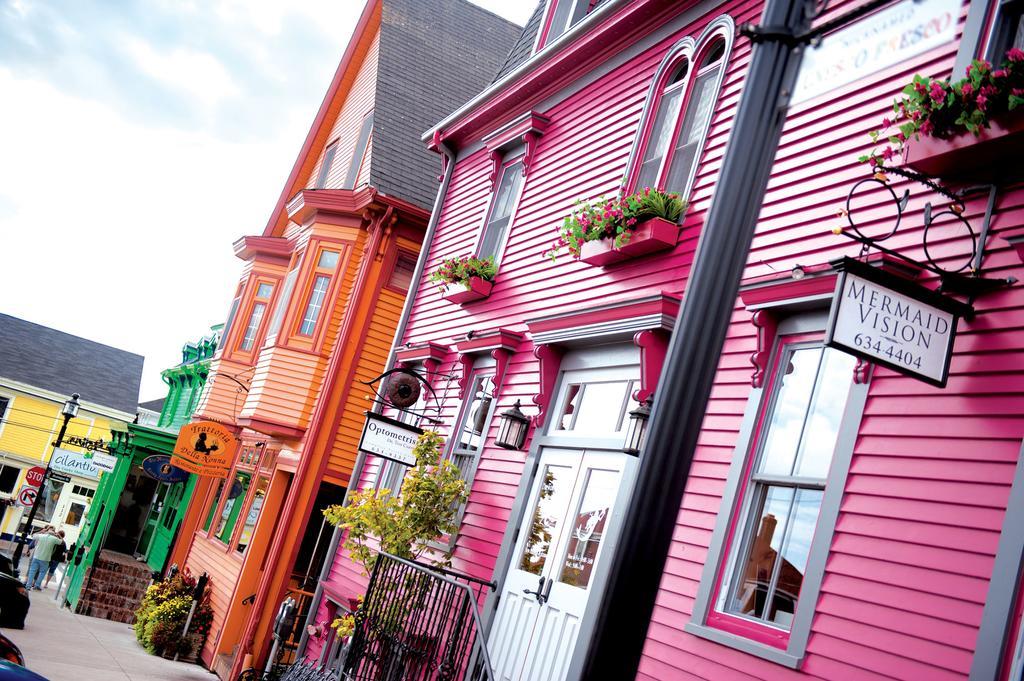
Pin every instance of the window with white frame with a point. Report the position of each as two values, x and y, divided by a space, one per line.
474 420
1007 30
325 266
5 403
499 218
325 166
256 314
682 101
799 430
560 16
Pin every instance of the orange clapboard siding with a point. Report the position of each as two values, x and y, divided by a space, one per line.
221 399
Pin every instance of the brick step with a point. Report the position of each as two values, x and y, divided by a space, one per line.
114 614
133 571
110 601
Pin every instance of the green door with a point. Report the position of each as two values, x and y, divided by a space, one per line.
166 527
97 524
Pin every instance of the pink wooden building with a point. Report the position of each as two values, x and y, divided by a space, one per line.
842 520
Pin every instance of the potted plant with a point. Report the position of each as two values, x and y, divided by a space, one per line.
160 618
465 279
944 128
606 231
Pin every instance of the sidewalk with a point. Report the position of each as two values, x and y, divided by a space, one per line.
66 647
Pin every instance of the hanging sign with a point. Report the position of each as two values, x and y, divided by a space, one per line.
389 439
205 448
104 462
73 463
159 467
883 39
888 320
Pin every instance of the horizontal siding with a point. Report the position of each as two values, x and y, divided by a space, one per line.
210 557
221 398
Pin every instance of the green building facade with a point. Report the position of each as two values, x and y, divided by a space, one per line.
134 517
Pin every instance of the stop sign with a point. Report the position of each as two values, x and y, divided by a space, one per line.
35 475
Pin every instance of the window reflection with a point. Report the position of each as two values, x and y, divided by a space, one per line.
588 527
548 514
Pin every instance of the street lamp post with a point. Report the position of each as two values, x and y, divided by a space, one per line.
69 412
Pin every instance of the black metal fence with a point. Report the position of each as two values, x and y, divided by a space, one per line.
418 623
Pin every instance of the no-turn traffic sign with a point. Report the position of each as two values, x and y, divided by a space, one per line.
34 476
27 496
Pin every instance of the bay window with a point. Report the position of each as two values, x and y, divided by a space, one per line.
682 101
256 314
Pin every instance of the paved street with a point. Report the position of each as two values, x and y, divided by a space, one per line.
66 647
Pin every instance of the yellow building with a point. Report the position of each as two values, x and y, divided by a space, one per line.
40 368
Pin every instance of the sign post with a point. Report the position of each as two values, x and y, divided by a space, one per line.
888 320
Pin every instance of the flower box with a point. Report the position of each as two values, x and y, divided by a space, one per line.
650 236
476 288
995 153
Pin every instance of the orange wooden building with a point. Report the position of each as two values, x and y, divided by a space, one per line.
316 308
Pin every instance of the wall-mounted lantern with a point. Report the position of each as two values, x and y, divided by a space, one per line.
512 428
636 429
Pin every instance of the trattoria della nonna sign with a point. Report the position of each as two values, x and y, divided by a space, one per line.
891 321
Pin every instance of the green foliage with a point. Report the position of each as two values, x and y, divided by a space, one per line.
939 108
404 525
614 219
160 618
460 270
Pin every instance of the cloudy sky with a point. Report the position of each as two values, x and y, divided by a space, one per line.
138 140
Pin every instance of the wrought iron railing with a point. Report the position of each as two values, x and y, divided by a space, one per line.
418 623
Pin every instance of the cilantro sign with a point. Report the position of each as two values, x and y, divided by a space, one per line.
389 439
73 463
891 321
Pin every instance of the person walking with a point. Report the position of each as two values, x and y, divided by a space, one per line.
46 540
59 555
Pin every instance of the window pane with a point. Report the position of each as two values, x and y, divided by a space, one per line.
474 418
282 302
549 512
822 427
588 527
4 401
232 507
501 212
661 135
601 406
253 515
264 290
789 411
751 595
401 276
254 325
231 317
213 506
8 476
325 167
75 514
328 260
316 301
572 398
698 113
797 547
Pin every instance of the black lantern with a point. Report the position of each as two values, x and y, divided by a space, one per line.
636 430
512 428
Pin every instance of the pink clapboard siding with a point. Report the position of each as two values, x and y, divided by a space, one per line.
919 523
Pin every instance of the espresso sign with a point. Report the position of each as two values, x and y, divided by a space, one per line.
880 40
887 320
389 439
205 448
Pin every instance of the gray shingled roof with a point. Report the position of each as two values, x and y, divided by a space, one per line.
53 360
153 405
524 45
434 56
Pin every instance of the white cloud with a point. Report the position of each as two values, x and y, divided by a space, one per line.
198 75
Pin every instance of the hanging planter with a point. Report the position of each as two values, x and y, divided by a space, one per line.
607 231
650 236
465 279
972 128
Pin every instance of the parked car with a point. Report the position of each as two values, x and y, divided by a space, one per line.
14 602
12 663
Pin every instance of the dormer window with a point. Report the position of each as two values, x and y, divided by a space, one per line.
325 165
561 15
682 101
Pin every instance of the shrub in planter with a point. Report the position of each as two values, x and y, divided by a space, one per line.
614 219
938 108
160 618
462 269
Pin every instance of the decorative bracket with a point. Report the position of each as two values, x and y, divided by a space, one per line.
861 371
430 355
435 145
653 344
527 130
501 344
767 328
550 357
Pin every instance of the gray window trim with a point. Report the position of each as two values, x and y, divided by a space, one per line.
718 560
972 39
508 158
330 152
359 152
1003 588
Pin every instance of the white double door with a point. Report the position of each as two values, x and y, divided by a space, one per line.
571 514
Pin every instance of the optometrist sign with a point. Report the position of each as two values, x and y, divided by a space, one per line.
887 320
389 439
880 40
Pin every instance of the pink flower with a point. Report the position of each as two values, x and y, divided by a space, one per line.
989 90
927 127
1000 73
873 160
886 123
1015 55
1017 91
901 137
982 102
887 153
968 89
937 93
920 88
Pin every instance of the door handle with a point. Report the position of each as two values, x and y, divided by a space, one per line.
547 592
539 593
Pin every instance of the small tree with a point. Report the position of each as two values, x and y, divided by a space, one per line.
404 525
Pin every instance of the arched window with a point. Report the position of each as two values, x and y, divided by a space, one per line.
681 101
